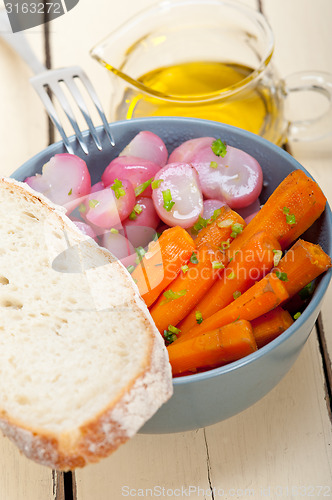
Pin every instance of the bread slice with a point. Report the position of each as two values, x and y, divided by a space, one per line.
82 366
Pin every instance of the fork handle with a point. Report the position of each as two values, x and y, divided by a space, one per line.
19 43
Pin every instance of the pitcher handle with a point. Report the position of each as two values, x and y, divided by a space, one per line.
311 129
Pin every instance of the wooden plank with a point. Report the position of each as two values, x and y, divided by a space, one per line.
22 123
147 462
23 133
283 442
303 41
21 478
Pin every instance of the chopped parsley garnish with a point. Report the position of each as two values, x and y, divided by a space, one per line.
170 295
277 256
225 244
170 335
213 164
219 148
225 223
236 229
130 269
281 276
156 236
114 231
193 259
216 214
290 219
199 317
138 209
217 265
156 184
173 329
167 197
297 315
142 187
70 192
93 203
140 254
236 295
231 275
184 268
200 224
307 291
118 189
204 222
82 208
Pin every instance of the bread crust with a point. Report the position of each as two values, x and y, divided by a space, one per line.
122 417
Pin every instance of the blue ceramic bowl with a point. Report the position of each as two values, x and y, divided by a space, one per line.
206 398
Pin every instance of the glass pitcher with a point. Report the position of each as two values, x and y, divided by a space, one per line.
207 59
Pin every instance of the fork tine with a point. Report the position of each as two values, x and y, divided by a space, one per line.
68 76
56 89
87 83
46 100
84 110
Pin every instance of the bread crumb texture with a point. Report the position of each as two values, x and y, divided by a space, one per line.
82 366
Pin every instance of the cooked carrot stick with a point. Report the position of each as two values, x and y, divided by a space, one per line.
250 264
163 261
218 232
262 297
188 288
301 264
270 325
290 210
214 348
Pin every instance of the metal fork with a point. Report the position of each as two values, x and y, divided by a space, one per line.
50 80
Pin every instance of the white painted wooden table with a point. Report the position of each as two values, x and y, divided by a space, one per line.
282 446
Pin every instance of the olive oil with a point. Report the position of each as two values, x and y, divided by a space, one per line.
202 90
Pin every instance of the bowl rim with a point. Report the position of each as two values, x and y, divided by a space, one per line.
241 133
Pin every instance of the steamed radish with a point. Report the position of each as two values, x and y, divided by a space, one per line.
186 151
144 214
99 186
117 244
140 227
177 196
139 236
38 183
107 208
67 179
148 146
136 170
85 229
235 178
210 206
250 217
